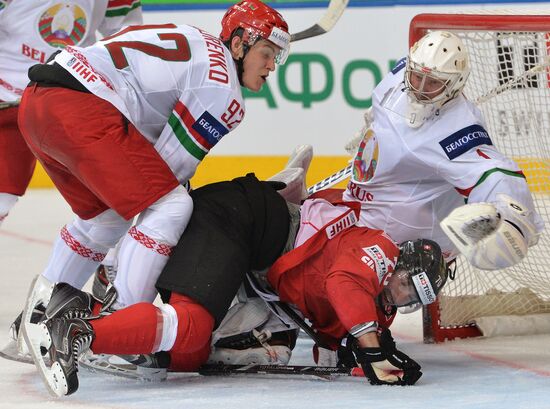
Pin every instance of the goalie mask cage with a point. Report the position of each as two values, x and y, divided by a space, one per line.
510 82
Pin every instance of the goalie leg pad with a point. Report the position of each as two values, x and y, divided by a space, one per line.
242 317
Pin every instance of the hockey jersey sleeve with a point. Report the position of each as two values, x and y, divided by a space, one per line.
199 120
356 279
472 164
120 13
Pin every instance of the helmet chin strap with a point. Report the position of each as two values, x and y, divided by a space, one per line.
240 69
240 64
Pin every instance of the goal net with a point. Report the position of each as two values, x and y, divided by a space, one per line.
510 82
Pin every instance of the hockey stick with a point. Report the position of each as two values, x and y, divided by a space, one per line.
332 15
331 180
4 105
319 371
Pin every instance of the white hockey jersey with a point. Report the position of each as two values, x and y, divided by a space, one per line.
177 85
31 30
408 179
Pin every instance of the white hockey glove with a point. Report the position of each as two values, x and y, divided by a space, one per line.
294 174
352 145
491 236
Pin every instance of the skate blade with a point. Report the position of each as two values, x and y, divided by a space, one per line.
37 336
40 292
11 352
116 366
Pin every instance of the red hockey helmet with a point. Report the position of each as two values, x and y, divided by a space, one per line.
258 20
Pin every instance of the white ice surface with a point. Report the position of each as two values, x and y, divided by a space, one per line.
500 373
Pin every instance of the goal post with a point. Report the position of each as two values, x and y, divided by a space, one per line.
510 83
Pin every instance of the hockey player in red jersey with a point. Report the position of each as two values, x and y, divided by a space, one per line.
121 127
337 274
31 31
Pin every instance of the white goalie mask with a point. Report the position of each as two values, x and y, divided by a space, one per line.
437 69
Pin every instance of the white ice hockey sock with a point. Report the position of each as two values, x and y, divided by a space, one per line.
169 328
74 258
7 201
141 259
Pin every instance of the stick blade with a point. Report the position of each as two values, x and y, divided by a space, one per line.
327 22
313 31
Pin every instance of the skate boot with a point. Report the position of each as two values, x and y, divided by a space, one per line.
62 300
65 340
145 367
69 302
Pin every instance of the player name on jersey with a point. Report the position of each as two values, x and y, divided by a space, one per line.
218 64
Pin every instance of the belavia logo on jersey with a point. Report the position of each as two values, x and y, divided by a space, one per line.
209 128
464 140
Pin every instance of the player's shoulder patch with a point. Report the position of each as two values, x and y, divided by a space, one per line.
399 66
462 141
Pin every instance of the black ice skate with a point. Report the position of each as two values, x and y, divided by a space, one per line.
69 302
65 340
64 301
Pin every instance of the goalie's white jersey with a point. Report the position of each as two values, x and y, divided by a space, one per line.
176 84
408 179
31 30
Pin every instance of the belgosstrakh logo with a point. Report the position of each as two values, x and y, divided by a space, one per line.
209 128
400 64
464 140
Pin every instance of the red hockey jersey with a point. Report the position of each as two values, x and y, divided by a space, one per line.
335 282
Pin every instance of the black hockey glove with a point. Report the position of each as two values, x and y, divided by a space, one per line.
386 365
346 357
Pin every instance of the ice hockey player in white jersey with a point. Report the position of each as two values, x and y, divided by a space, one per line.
122 125
427 152
30 31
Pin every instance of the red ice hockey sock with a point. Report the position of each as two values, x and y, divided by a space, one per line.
195 325
132 330
141 329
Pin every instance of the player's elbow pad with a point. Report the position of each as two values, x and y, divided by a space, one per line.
491 236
